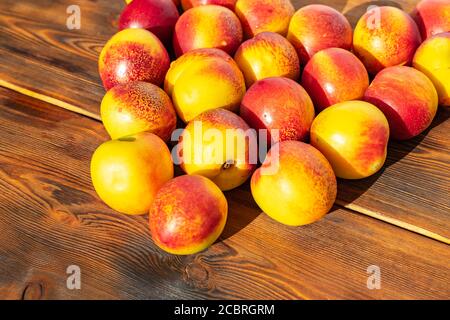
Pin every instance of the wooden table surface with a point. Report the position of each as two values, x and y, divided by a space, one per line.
51 218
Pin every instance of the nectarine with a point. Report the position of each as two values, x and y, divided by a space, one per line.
278 104
207 26
198 57
303 188
201 82
157 16
218 144
136 107
267 55
188 4
334 75
175 2
353 136
187 215
133 55
432 17
407 98
264 15
127 172
316 27
384 37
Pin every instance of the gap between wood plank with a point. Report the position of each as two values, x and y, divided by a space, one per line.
350 206
48 99
395 222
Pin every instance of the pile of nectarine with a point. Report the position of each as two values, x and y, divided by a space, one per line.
289 99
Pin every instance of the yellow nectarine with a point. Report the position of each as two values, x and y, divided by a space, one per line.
217 144
433 59
127 172
203 81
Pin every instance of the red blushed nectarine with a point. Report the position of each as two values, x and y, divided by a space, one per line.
197 57
334 75
207 26
353 136
204 79
157 16
264 15
217 145
136 107
385 37
432 17
301 190
278 103
316 27
267 55
187 215
407 98
133 55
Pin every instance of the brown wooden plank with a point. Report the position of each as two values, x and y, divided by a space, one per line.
51 218
39 53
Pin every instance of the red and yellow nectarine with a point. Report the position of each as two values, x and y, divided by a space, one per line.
188 215
207 26
201 81
303 188
188 4
407 98
384 37
136 107
127 172
433 59
218 144
334 75
133 55
280 104
264 15
432 17
198 57
267 55
157 16
316 27
353 136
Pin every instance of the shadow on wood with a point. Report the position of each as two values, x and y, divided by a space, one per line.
242 210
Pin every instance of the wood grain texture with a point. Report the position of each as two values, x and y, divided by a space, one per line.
38 51
51 218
